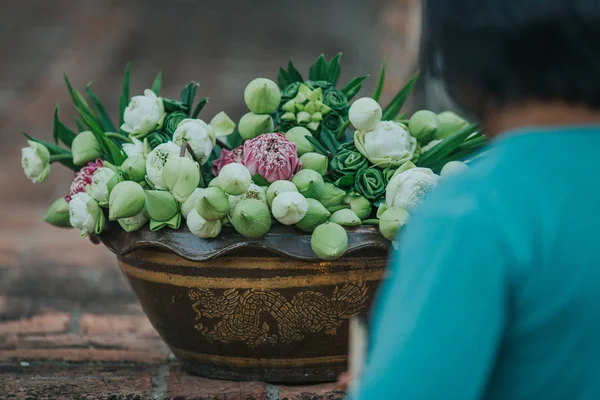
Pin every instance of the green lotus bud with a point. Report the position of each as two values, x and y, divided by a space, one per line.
315 95
313 126
212 204
251 218
289 107
331 195
254 192
345 217
125 200
303 118
365 114
251 125
453 168
316 117
234 179
299 99
190 203
315 161
104 180
309 183
85 148
222 125
360 205
35 160
202 228
450 123
58 214
134 223
161 205
305 90
310 107
391 221
181 175
316 215
289 116
289 208
329 241
134 168
298 135
278 187
423 125
262 96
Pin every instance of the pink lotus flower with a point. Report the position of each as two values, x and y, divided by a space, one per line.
271 156
83 178
227 157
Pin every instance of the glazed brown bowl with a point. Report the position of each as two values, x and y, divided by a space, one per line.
262 309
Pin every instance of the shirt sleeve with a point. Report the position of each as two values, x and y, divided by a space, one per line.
439 316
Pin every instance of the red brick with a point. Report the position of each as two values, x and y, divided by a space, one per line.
45 323
128 342
183 386
15 341
93 324
327 391
83 355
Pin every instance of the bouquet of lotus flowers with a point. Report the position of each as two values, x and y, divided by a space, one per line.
305 155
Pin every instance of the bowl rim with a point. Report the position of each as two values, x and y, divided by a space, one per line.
281 240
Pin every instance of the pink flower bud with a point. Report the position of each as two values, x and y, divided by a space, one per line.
271 156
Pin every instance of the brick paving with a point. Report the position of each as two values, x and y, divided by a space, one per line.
70 326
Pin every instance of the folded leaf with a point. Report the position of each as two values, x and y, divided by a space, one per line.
438 153
62 132
319 71
80 102
79 123
156 85
334 69
98 134
124 99
105 119
392 109
188 94
259 180
354 86
380 82
317 146
293 74
329 141
283 78
199 107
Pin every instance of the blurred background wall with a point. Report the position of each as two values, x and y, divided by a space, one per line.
222 44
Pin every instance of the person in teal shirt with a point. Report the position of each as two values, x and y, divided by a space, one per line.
494 292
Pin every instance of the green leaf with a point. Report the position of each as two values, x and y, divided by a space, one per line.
80 102
79 123
293 74
259 180
188 94
438 153
317 146
52 148
334 69
354 86
283 78
99 134
124 99
199 107
392 110
319 71
105 119
61 131
157 84
329 141
345 181
380 82
118 154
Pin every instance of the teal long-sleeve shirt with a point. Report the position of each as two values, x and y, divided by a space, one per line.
494 292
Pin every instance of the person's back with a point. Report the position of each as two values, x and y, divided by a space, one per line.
494 291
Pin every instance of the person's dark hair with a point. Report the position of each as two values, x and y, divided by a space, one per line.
506 51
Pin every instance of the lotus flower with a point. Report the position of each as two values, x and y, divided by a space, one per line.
271 156
227 157
83 178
